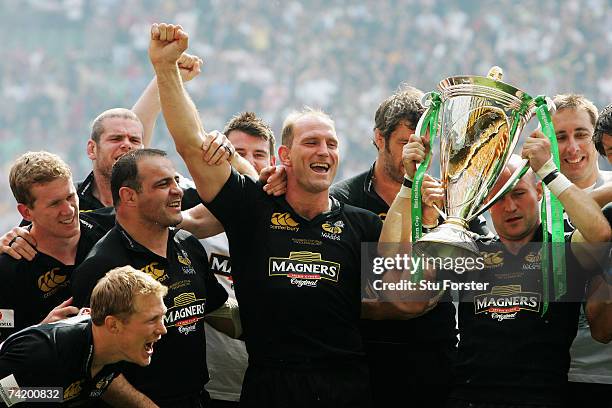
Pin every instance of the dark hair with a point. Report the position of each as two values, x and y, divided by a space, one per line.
249 123
125 171
603 126
403 105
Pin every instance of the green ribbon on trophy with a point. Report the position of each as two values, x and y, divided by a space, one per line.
551 204
431 123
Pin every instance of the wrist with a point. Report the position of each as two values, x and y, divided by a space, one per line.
547 170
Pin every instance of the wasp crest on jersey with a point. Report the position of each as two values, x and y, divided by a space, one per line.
157 274
283 221
51 280
332 231
185 263
185 313
532 261
505 302
304 268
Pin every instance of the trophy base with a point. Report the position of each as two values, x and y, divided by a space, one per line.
449 240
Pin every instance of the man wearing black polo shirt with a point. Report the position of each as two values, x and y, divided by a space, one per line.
295 259
80 355
39 290
513 352
148 203
426 344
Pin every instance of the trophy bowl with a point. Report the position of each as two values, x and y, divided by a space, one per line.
480 120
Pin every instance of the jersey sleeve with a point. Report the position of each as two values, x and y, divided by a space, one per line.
10 301
235 200
30 357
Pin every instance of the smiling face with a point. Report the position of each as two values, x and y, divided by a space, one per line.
55 212
577 153
159 201
312 159
255 150
120 135
139 332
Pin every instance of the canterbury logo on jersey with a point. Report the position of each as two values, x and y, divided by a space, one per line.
283 221
185 313
73 390
493 259
504 302
157 274
51 280
304 265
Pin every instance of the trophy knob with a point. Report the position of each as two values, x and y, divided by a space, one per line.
496 73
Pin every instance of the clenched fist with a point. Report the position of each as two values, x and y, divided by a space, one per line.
168 42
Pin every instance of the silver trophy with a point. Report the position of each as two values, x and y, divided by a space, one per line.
480 120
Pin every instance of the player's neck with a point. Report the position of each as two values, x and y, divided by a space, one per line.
152 236
515 245
589 181
62 249
103 350
308 205
385 186
102 189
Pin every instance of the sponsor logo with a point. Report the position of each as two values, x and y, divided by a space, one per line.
157 274
221 264
301 241
7 318
187 310
101 386
73 390
382 215
504 302
283 221
304 268
51 280
493 259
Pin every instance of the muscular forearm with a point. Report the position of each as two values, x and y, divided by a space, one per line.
147 108
122 394
585 214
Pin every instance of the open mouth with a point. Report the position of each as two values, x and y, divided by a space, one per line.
175 203
574 161
320 167
68 221
148 347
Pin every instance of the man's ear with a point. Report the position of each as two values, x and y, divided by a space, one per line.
379 140
91 149
284 155
128 196
539 190
24 211
112 324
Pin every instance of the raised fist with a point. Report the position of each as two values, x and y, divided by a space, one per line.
189 66
168 42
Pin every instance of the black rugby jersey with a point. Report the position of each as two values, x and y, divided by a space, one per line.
30 289
87 201
178 367
508 352
58 354
297 281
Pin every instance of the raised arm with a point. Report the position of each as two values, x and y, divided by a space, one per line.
147 107
167 44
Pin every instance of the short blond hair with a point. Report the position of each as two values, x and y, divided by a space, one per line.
577 102
35 168
114 294
293 117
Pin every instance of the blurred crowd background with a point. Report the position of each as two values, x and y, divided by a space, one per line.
65 61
